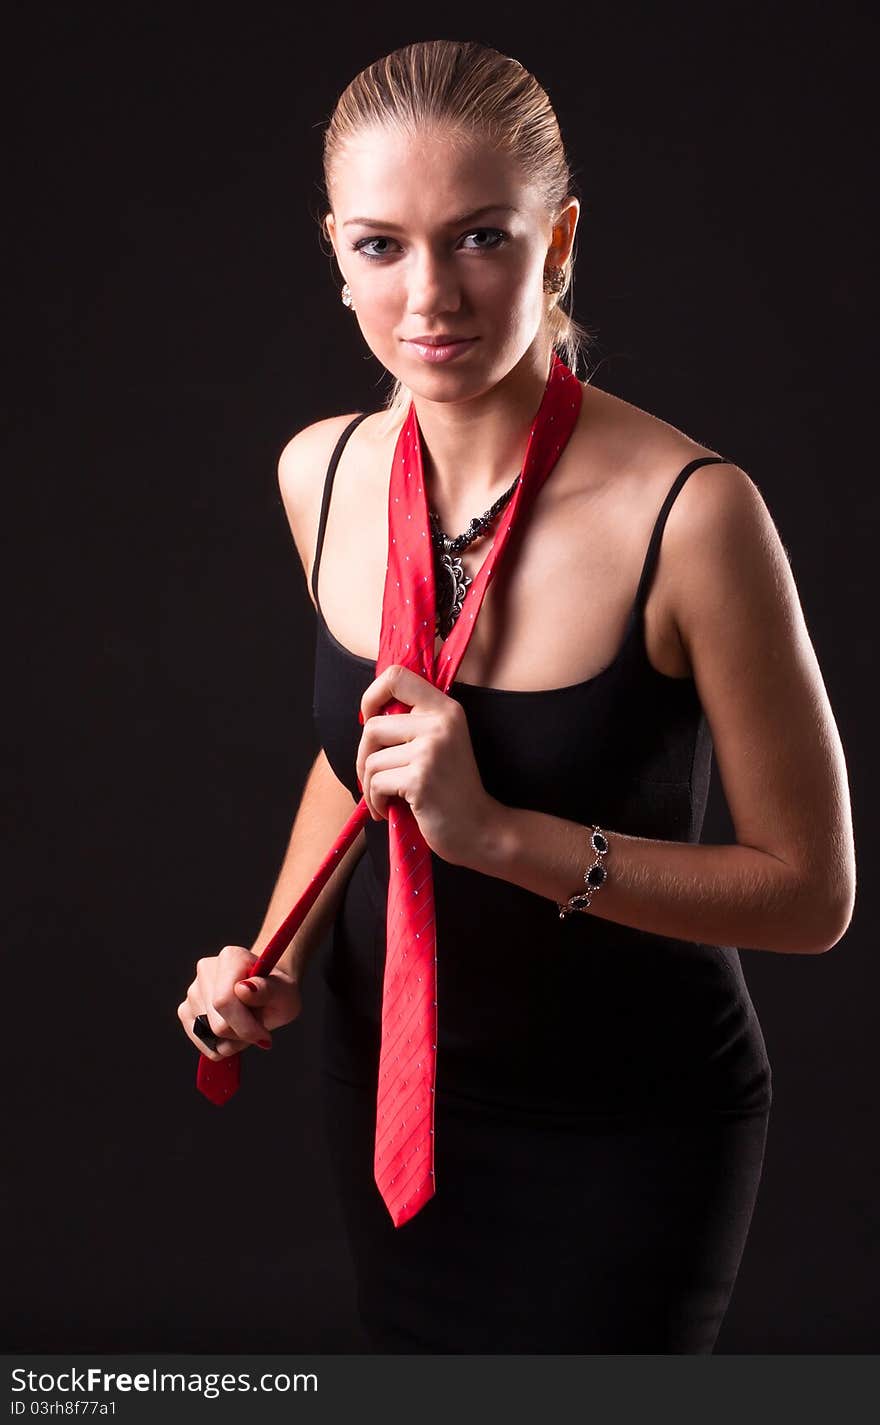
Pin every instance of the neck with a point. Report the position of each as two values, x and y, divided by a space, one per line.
472 450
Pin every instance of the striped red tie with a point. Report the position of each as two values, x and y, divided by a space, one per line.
404 1148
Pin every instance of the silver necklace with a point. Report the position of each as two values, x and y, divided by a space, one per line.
450 581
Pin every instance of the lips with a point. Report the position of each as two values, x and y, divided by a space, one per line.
440 349
441 340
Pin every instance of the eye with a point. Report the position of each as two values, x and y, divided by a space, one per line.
484 241
496 236
362 245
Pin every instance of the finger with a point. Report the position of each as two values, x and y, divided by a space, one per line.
399 731
395 727
241 1023
390 759
231 1043
215 1053
203 999
217 1023
254 990
230 1047
404 686
227 1048
216 989
277 999
385 786
186 1013
257 993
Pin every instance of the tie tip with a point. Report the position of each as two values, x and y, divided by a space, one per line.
218 1082
403 1212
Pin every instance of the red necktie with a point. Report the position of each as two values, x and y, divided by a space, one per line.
404 1151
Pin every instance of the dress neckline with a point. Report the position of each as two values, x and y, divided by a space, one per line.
633 627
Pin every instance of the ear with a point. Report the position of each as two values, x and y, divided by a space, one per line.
564 229
329 226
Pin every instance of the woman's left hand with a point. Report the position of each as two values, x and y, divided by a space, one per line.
424 756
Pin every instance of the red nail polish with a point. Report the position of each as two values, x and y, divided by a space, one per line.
265 1043
360 717
250 984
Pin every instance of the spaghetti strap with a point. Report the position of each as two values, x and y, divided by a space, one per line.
325 502
657 532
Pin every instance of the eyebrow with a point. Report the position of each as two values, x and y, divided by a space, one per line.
453 222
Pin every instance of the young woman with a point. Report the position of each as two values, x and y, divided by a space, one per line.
603 1088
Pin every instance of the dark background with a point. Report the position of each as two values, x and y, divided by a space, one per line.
173 322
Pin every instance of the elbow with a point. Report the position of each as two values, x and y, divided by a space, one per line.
834 921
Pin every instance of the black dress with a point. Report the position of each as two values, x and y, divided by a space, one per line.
602 1093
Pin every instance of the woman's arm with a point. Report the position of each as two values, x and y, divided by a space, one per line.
324 809
326 804
788 883
723 895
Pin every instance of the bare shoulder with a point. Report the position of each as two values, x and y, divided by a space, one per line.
720 534
718 499
641 457
302 467
304 459
634 440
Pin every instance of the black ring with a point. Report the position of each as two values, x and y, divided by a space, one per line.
203 1031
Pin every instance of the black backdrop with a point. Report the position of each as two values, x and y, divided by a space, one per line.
174 321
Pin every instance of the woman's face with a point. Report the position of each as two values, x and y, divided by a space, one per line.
442 239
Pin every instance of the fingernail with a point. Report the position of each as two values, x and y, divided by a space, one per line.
250 984
360 717
265 1043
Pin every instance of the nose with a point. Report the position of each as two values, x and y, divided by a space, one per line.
432 286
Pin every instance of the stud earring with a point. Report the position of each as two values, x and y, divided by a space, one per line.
554 279
346 296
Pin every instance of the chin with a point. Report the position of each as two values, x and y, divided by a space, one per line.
455 381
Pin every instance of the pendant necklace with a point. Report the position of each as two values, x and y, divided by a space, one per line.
450 580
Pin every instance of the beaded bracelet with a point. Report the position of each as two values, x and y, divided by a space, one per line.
594 876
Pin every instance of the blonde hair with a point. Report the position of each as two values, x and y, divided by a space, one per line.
468 89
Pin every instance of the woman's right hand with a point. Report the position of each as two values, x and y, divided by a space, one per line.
239 1009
